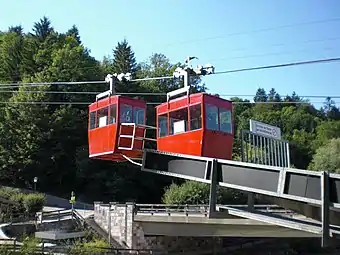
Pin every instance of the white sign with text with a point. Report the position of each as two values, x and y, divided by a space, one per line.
264 129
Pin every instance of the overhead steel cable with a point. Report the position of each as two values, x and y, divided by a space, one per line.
318 61
156 103
155 94
256 31
309 62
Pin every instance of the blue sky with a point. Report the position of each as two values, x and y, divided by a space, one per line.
221 32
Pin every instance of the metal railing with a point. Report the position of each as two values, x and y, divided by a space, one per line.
133 136
199 209
263 150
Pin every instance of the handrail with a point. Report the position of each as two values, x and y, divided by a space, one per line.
199 209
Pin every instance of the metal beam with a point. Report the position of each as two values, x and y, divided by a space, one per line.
213 189
293 184
325 209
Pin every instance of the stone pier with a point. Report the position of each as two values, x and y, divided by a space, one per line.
129 233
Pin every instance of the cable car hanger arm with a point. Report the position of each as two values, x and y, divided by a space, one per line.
185 72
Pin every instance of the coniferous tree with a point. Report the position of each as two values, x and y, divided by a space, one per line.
42 28
124 60
74 32
261 95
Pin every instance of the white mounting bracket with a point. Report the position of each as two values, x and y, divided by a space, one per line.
186 72
110 78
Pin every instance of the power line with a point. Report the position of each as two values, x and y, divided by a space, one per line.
328 60
230 50
83 92
318 61
284 44
255 31
151 103
39 84
269 54
154 94
54 83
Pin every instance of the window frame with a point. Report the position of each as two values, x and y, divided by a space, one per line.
115 111
206 106
229 112
92 125
170 129
166 117
190 118
121 106
134 108
97 116
219 110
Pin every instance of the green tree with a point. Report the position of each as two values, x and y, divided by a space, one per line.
73 31
42 29
261 95
327 157
330 110
21 132
192 192
124 60
325 131
10 57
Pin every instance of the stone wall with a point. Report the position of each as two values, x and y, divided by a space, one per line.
120 224
131 235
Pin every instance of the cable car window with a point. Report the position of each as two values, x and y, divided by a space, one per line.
211 117
179 121
113 115
139 114
162 125
93 120
195 117
125 113
225 121
102 117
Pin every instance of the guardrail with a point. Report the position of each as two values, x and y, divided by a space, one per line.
202 209
152 209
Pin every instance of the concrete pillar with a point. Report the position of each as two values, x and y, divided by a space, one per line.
213 189
129 218
325 203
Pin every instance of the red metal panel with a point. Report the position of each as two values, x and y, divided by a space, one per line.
217 144
189 143
103 102
102 139
179 103
219 102
132 101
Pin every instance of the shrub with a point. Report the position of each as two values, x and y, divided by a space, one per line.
327 157
33 203
90 247
29 246
7 192
192 192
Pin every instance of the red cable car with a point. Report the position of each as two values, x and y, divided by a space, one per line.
198 124
116 127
